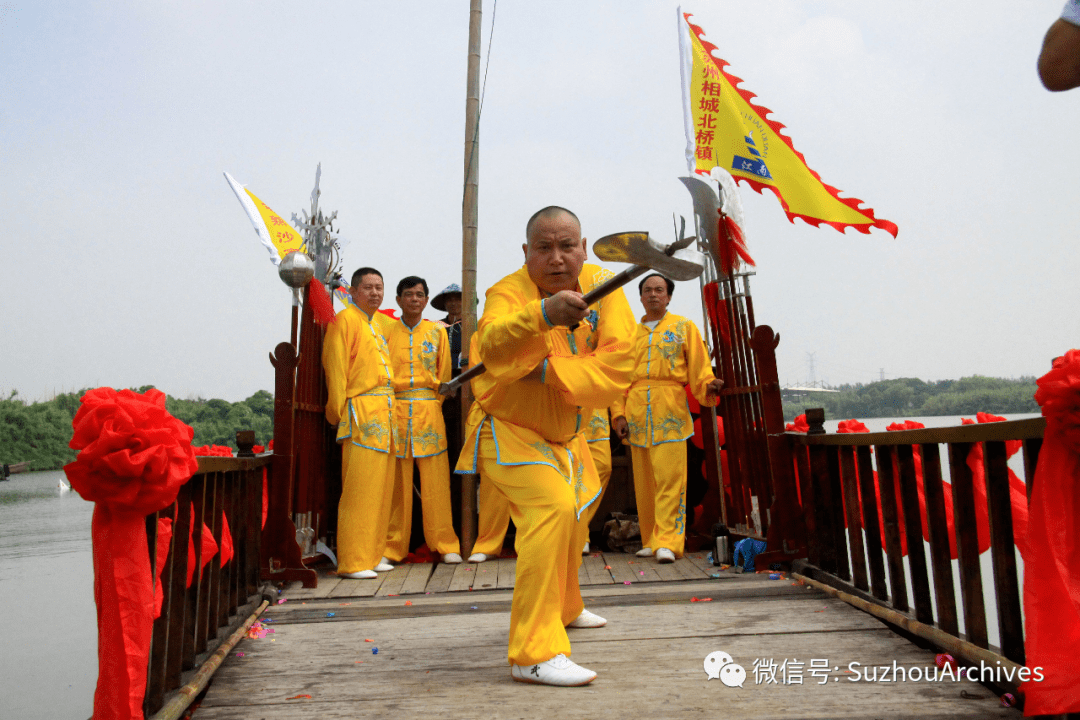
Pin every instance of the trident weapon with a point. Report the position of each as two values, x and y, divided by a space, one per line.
675 261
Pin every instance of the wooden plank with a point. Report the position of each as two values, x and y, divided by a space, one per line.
417 580
823 539
486 576
667 571
441 577
940 553
1031 461
507 572
688 570
965 525
178 613
887 487
868 492
463 577
392 582
700 560
850 482
594 569
327 582
621 569
836 515
456 667
347 587
1003 549
909 497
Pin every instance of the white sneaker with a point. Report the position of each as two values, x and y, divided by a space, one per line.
645 552
559 670
362 575
451 558
585 550
663 555
477 557
384 566
587 620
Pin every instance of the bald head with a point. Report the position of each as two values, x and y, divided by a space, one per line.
551 212
555 250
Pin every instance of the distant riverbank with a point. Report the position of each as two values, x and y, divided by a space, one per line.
911 397
39 432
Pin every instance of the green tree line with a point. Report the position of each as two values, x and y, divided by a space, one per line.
39 432
911 397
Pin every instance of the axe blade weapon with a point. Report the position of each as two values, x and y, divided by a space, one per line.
632 247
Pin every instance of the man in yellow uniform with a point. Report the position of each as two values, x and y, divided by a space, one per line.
523 432
669 355
495 510
360 401
420 360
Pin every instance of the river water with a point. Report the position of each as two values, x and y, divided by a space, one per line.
48 665
48 625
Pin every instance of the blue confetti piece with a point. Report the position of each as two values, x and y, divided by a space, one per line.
329 614
715 575
473 607
774 576
374 651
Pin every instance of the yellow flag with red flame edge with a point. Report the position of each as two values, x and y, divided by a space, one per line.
725 128
277 235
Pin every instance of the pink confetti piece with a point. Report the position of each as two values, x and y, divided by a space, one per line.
626 582
281 601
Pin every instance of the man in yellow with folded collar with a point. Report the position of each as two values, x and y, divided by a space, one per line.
669 355
523 432
420 359
360 401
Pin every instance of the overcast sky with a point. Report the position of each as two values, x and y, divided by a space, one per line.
128 260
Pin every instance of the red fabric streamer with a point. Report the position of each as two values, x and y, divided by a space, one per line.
732 250
213 451
800 424
164 535
1051 575
226 540
322 305
265 500
133 458
1017 490
258 449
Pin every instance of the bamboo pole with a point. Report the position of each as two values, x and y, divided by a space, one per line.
187 694
468 253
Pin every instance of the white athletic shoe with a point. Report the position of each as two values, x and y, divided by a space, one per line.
384 566
585 550
587 620
362 575
451 558
478 557
559 670
663 555
645 552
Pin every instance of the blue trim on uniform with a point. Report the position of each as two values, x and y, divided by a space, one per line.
543 312
543 372
586 505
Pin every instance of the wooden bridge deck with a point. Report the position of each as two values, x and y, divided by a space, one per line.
441 638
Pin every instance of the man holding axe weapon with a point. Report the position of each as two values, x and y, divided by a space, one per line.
548 350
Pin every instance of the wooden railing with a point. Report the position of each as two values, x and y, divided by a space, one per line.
220 596
836 471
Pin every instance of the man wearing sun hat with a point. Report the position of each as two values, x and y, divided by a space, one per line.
449 301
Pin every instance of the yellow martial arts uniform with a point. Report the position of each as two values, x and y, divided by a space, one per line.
666 360
420 360
495 509
360 401
523 436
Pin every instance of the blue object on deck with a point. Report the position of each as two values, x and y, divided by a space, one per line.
748 548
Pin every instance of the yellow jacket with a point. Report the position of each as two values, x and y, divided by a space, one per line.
666 361
420 360
359 382
533 420
596 426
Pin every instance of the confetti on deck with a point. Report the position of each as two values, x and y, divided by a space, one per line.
368 640
408 602
297 697
329 614
607 567
625 582
374 651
